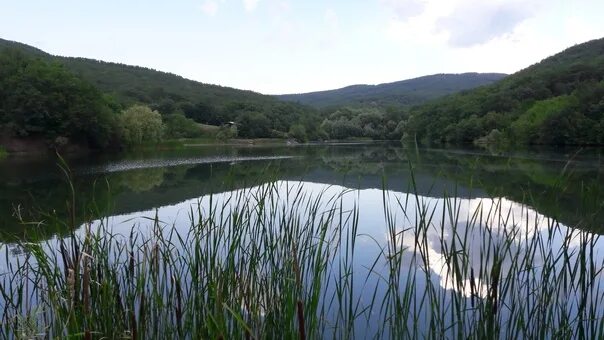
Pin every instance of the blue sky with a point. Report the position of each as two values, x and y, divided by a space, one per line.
287 46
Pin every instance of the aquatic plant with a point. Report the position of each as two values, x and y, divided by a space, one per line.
288 260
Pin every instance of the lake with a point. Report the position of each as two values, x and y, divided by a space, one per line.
406 231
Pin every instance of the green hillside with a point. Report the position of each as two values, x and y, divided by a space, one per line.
43 100
557 101
123 86
208 104
401 93
75 100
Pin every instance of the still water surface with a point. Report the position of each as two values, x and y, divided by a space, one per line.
561 184
536 190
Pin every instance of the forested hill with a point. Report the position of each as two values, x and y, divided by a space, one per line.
400 93
557 101
134 84
115 87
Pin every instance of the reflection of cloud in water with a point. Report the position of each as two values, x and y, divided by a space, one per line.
477 225
159 163
477 228
501 215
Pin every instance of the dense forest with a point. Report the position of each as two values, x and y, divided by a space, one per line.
559 101
65 101
397 94
377 111
40 99
203 103
105 104
76 100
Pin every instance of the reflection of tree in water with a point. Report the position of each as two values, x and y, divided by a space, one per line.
141 180
572 193
364 160
563 188
554 184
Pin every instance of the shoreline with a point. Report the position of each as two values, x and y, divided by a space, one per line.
36 149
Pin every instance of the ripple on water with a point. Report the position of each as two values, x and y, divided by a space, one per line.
161 163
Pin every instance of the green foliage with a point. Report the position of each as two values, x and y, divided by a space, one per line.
3 153
139 124
494 138
253 125
373 122
250 268
204 113
226 132
558 101
179 126
525 127
341 129
124 86
43 99
298 132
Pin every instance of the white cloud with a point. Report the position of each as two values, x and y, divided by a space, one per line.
250 5
331 18
331 33
403 9
279 7
463 23
287 31
475 23
209 7
420 28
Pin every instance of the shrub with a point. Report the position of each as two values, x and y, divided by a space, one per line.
298 132
226 132
254 125
179 126
139 124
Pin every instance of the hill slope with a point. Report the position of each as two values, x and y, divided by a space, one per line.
405 92
557 101
139 84
125 85
41 100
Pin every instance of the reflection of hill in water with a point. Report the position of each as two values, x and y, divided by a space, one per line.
201 180
537 182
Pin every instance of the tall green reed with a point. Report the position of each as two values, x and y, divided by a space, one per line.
280 261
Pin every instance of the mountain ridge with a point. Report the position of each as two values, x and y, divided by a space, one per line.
403 92
37 51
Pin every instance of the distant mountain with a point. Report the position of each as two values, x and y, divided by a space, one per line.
400 93
557 101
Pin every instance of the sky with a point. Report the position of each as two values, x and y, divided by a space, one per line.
291 46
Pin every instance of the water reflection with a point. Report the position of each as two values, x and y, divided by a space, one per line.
456 241
476 227
568 192
127 165
483 222
454 246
